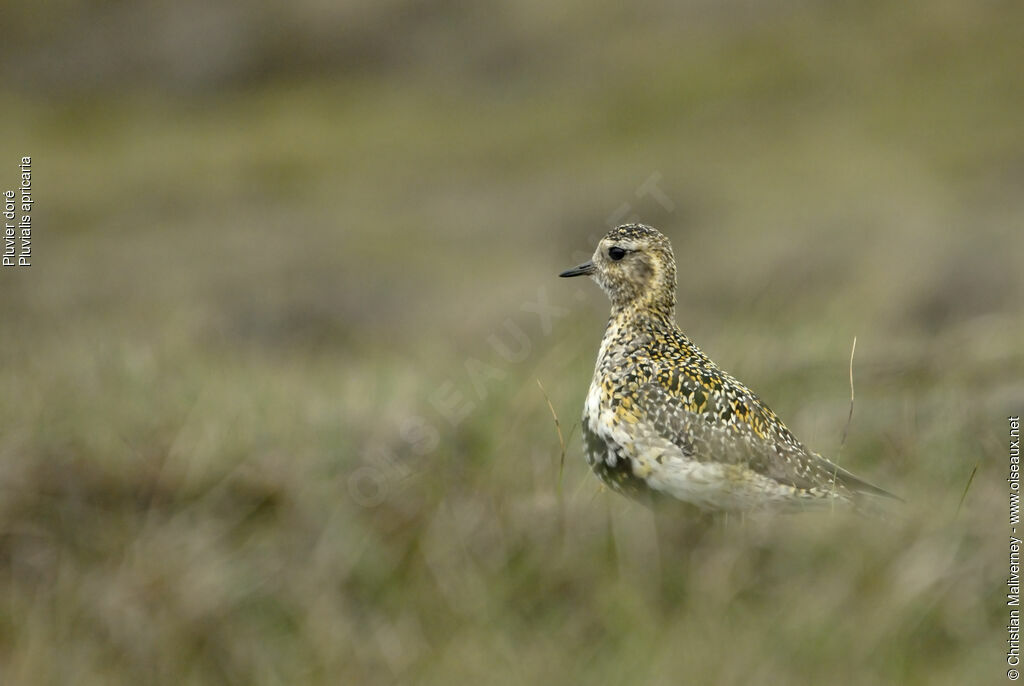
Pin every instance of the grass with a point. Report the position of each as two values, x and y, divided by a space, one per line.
256 429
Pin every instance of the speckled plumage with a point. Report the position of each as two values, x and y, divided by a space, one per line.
662 418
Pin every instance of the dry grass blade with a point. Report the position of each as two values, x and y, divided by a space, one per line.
561 439
849 417
963 497
846 429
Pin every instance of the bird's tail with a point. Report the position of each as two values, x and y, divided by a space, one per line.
868 499
859 486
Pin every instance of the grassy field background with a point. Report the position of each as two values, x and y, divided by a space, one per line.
269 410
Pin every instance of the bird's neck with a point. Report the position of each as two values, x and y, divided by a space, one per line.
629 327
655 308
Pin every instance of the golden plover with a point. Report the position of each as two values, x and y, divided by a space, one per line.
662 418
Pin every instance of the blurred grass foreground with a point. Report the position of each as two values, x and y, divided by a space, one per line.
268 395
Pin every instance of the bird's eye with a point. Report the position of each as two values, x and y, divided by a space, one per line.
616 253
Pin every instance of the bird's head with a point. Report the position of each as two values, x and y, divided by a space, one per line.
634 265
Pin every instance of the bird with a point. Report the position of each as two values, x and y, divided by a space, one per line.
662 420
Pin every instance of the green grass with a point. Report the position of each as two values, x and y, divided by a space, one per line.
224 453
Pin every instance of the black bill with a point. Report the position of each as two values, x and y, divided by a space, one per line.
582 270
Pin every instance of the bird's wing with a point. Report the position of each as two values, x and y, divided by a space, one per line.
714 418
